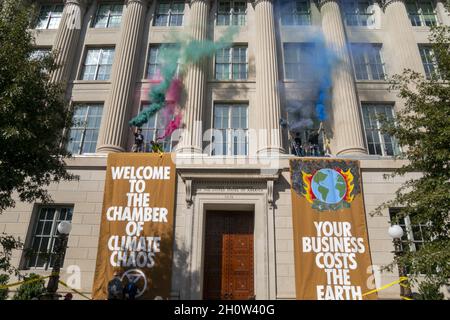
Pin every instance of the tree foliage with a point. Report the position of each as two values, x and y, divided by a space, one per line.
422 127
30 290
33 113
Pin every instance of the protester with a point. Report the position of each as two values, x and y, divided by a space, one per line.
130 291
138 141
68 296
115 287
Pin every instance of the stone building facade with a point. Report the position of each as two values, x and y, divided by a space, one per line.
108 53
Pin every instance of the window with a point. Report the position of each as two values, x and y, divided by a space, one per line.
231 13
41 253
429 62
295 12
378 143
156 58
232 63
49 16
154 128
169 13
367 62
359 13
415 235
230 126
108 16
298 58
83 134
98 63
421 13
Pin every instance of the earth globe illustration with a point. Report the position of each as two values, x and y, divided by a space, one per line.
329 186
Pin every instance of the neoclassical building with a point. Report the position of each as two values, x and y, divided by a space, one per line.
233 169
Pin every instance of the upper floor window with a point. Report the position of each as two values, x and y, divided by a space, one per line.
108 16
230 127
232 63
421 13
295 12
83 134
41 252
359 13
368 62
155 59
297 60
49 16
231 12
379 143
154 129
429 62
169 13
97 64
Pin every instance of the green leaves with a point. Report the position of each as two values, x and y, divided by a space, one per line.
422 127
33 113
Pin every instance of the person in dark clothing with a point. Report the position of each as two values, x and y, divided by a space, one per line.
115 288
138 141
130 291
297 145
314 144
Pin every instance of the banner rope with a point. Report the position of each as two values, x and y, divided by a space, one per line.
22 282
74 290
42 278
401 279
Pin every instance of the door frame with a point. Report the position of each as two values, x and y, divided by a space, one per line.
264 281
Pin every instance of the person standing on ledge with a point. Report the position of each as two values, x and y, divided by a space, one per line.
138 141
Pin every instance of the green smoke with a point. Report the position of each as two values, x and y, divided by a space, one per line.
187 51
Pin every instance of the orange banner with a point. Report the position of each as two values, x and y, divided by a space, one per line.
136 232
332 255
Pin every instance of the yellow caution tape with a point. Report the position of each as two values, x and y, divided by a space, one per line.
401 279
74 290
22 282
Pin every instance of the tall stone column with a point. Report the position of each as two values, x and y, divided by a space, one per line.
191 141
267 89
347 129
67 38
114 128
401 44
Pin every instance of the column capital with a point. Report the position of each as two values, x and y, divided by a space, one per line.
78 2
143 2
320 3
385 3
191 2
255 2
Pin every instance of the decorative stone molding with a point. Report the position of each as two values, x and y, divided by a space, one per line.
270 198
143 2
384 3
191 2
229 180
320 3
188 185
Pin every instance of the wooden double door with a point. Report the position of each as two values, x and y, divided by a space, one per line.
228 268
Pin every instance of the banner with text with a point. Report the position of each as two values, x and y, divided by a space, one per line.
136 232
332 257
